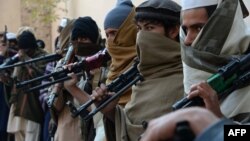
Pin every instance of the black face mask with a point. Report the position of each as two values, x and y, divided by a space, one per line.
86 49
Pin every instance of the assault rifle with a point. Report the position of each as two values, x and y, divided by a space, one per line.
119 86
67 59
230 77
9 61
89 63
12 62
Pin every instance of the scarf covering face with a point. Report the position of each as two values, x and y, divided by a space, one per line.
161 66
122 51
86 49
224 36
159 56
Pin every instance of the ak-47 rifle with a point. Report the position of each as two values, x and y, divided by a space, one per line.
89 63
9 61
66 60
119 86
234 75
12 62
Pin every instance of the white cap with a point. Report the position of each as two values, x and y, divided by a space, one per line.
190 4
63 22
10 36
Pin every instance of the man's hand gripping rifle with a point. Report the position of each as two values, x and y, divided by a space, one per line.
90 63
234 75
119 86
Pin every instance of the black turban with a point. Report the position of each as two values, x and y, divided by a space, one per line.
85 27
27 40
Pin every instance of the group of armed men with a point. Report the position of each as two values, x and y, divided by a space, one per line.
155 55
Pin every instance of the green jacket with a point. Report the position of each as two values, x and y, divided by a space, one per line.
27 104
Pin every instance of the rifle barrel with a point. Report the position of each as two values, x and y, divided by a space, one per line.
119 85
47 58
51 83
118 94
24 83
89 63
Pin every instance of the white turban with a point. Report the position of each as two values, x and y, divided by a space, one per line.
10 36
190 4
63 22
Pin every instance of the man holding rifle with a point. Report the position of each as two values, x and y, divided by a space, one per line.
85 38
206 48
160 65
4 89
26 115
202 25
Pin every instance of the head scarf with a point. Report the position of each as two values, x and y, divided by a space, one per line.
167 11
85 27
191 4
223 37
122 51
27 40
118 14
